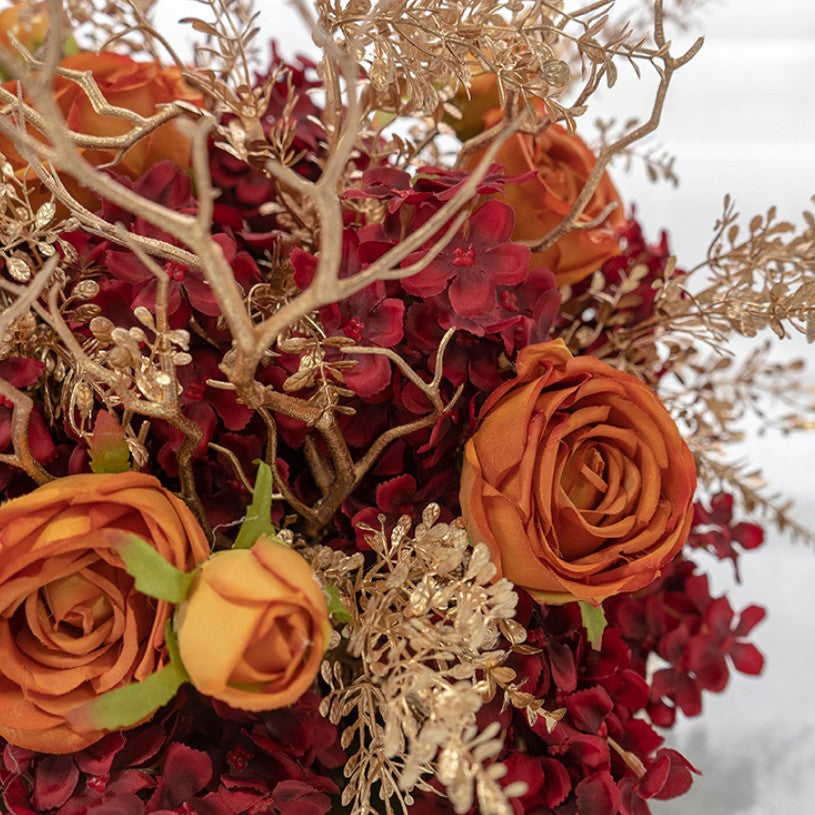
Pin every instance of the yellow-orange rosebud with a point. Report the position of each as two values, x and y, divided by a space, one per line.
577 478
72 625
253 631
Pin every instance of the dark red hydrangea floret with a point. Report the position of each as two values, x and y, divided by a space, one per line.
603 758
187 291
471 267
369 317
715 531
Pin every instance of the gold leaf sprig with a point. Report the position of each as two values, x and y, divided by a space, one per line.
759 275
430 634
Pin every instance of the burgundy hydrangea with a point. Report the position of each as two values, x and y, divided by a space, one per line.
696 636
480 284
195 757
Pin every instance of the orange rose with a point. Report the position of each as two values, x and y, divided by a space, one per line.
140 87
577 479
268 616
72 626
27 21
562 163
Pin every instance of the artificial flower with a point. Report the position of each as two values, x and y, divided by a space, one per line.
268 615
577 478
72 625
28 22
140 87
560 163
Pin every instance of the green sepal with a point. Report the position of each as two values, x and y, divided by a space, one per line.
336 609
259 514
153 575
131 704
70 47
107 445
594 621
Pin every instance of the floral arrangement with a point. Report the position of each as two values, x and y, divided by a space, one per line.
359 453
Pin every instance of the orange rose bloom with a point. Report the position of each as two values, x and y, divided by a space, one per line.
577 479
140 87
268 616
27 21
72 625
562 163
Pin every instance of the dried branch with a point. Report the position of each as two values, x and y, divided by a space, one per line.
668 66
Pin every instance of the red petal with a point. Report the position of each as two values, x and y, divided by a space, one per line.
749 619
656 776
384 325
719 616
20 372
564 671
679 778
200 295
392 495
747 658
558 784
588 708
298 798
492 223
184 773
472 295
54 782
431 280
305 265
748 535
508 263
598 795
371 375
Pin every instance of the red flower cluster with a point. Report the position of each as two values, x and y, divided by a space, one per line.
692 632
194 758
480 284
603 758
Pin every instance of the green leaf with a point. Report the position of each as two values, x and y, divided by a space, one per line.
131 704
154 576
259 515
107 445
335 606
70 47
594 621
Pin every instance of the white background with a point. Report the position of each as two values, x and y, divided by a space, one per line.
741 119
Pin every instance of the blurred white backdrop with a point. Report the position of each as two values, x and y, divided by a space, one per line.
741 120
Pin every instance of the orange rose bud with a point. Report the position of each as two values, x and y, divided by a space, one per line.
562 163
254 628
72 625
475 105
141 87
577 479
